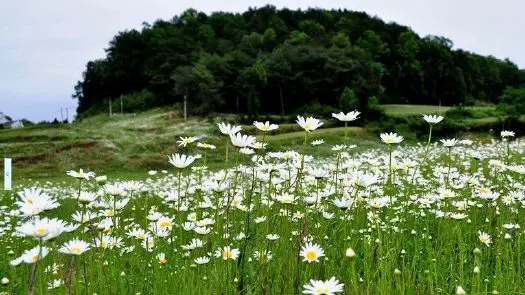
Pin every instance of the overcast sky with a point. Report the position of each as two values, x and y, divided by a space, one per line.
45 44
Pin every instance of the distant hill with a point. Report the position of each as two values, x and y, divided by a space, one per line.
270 61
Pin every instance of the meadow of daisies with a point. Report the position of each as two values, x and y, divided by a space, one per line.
444 216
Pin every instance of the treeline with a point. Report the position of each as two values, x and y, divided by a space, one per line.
269 61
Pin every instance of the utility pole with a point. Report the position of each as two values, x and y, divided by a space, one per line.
110 108
67 114
185 108
121 105
61 115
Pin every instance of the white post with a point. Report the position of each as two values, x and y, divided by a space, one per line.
7 174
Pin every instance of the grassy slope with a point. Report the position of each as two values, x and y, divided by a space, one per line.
408 110
128 145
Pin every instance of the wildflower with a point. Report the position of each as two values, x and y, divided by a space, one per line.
202 260
101 180
242 141
309 124
162 258
87 197
184 141
80 174
227 253
164 223
206 146
42 228
228 129
33 201
351 116
485 238
343 203
263 256
272 237
317 142
115 189
449 142
433 119
181 161
55 284
4 281
285 198
390 138
260 145
318 287
265 127
506 133
194 244
311 252
74 247
246 151
31 256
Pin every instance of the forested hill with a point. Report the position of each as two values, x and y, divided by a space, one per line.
284 61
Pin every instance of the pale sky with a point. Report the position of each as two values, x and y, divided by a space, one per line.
45 44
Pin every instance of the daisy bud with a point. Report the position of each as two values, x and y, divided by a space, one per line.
495 292
122 274
460 291
397 272
476 270
477 251
350 253
5 281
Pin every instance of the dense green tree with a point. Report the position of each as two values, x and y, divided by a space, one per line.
267 61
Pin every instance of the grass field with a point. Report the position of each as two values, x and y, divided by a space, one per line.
411 110
373 218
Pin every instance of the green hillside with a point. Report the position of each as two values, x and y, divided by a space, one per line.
128 143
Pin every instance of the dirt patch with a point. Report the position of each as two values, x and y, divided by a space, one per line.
29 159
79 145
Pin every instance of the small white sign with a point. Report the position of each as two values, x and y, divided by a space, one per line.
7 174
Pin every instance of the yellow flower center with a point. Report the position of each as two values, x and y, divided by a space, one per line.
41 231
75 250
165 223
227 254
311 255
